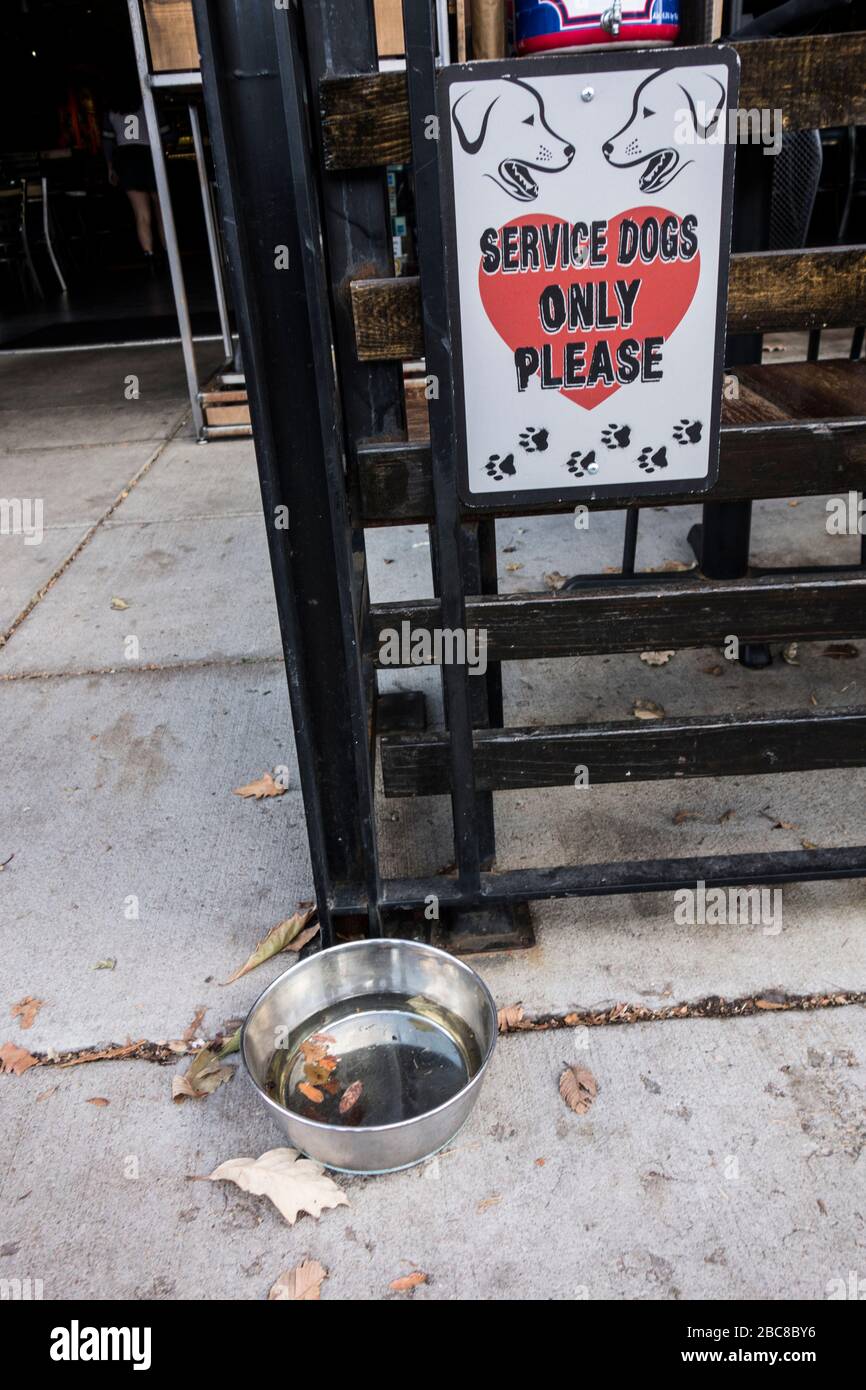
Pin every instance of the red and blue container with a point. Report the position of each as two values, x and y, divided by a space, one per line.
556 26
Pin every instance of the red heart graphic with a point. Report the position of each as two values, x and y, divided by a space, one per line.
511 300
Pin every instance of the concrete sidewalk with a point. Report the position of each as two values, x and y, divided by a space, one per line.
722 1158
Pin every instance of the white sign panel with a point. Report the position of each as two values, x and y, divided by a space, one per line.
588 203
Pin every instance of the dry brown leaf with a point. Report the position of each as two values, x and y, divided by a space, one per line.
408 1281
16 1060
351 1097
311 1092
105 1054
26 1010
768 1004
317 1073
657 658
489 1202
198 1017
808 844
304 937
46 1095
671 567
97 1100
302 1284
265 786
784 825
578 1088
202 1077
842 651
789 654
555 580
119 603
509 1017
712 670
279 938
647 709
292 1183
681 817
514 566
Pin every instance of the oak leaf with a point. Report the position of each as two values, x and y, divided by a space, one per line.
264 786
16 1060
657 658
292 1183
26 1010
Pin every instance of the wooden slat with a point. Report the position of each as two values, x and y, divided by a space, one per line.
227 415
224 397
692 612
770 291
778 291
786 436
824 390
816 81
387 316
720 746
787 460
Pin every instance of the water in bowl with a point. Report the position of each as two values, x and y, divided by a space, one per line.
383 1058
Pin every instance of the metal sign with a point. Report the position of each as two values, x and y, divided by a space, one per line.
588 211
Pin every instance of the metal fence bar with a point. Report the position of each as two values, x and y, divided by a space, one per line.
246 122
421 77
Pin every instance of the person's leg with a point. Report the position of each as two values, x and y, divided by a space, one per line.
157 217
143 223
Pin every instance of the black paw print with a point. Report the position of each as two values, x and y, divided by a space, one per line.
579 463
532 440
688 431
499 468
616 436
649 461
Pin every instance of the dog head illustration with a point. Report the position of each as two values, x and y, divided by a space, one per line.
662 104
503 124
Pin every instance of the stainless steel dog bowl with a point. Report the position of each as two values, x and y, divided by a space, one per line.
389 1039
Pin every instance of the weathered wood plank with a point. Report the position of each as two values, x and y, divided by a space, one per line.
815 81
781 291
784 460
387 316
769 291
692 612
720 746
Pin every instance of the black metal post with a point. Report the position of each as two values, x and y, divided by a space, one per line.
722 541
272 236
423 116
